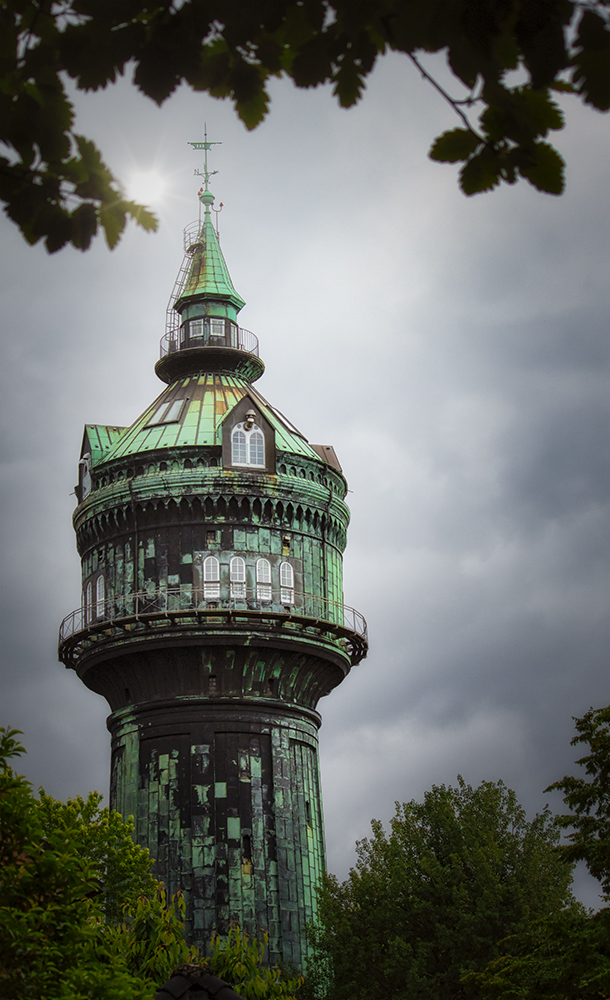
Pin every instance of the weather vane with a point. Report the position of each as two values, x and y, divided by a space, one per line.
205 145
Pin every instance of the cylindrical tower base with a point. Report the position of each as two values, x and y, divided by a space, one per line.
226 797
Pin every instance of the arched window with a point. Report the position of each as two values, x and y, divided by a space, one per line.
263 580
248 446
211 578
257 448
239 447
237 573
100 596
286 583
88 602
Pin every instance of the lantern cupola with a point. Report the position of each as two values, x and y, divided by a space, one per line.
202 332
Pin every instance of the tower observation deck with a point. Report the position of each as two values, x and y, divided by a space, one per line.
211 535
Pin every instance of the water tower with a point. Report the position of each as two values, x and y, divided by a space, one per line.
211 535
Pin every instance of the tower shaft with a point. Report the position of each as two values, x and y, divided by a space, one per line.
227 799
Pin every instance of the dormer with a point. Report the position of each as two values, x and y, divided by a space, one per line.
248 439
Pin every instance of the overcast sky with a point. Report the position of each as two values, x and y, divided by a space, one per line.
455 353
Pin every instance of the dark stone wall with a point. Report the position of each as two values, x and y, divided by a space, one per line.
226 797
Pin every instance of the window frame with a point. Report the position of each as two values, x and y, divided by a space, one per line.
211 581
256 429
237 578
286 589
100 596
217 328
162 416
264 593
196 328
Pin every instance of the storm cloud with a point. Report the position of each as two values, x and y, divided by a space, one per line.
455 353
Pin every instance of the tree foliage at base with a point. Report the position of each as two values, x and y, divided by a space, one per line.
434 898
563 957
56 187
566 956
588 798
240 959
81 918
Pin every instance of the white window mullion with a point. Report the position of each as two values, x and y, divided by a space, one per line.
263 580
237 573
211 578
286 583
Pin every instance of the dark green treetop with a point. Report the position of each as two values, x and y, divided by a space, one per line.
588 798
56 187
434 897
566 955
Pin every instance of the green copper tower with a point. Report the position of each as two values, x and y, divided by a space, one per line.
211 535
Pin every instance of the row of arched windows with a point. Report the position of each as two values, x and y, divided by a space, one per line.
237 580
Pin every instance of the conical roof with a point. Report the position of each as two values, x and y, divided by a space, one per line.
206 401
208 275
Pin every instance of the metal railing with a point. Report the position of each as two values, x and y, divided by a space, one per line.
171 341
305 611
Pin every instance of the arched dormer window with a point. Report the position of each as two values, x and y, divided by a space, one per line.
211 578
263 580
237 574
286 583
248 445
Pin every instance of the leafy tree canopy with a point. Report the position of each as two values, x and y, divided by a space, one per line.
434 897
80 915
588 798
56 187
566 955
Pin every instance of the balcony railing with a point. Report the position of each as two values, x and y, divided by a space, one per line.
177 339
120 615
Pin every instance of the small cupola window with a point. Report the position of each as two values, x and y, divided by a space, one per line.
248 443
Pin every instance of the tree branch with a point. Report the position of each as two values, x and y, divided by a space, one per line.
450 100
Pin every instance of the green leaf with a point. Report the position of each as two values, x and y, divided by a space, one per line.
251 98
464 61
84 225
481 172
592 61
142 215
544 168
457 144
349 83
522 114
313 63
112 220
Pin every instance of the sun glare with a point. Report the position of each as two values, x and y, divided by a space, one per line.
146 187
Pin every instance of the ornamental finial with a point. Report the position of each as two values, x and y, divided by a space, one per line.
205 195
